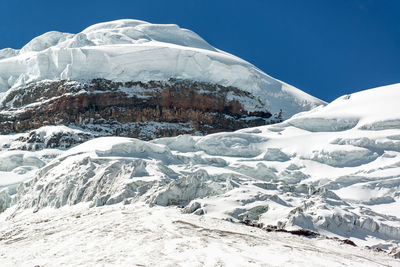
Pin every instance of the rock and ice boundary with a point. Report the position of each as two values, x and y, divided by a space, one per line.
133 50
136 79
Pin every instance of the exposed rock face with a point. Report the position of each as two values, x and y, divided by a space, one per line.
134 109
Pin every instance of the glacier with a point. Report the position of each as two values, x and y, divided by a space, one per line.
339 181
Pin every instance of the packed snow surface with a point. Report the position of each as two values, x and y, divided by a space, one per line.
136 235
133 50
334 170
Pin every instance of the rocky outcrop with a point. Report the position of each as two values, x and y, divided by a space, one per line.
36 140
133 109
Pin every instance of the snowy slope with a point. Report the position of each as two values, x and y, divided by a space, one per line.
373 109
133 50
334 170
134 235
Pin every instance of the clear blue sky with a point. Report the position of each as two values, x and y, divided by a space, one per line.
325 47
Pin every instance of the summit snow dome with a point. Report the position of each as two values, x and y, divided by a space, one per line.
134 50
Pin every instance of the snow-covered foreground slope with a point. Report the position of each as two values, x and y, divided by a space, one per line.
135 235
133 50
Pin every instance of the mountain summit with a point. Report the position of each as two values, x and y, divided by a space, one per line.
150 73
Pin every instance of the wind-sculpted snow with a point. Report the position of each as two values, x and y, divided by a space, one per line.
133 50
342 183
323 124
231 144
11 160
345 156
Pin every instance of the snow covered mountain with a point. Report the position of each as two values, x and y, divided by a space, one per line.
113 76
75 188
333 170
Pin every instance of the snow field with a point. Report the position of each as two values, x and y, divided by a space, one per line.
135 235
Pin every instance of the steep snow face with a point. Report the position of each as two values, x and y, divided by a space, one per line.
133 50
340 179
373 109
